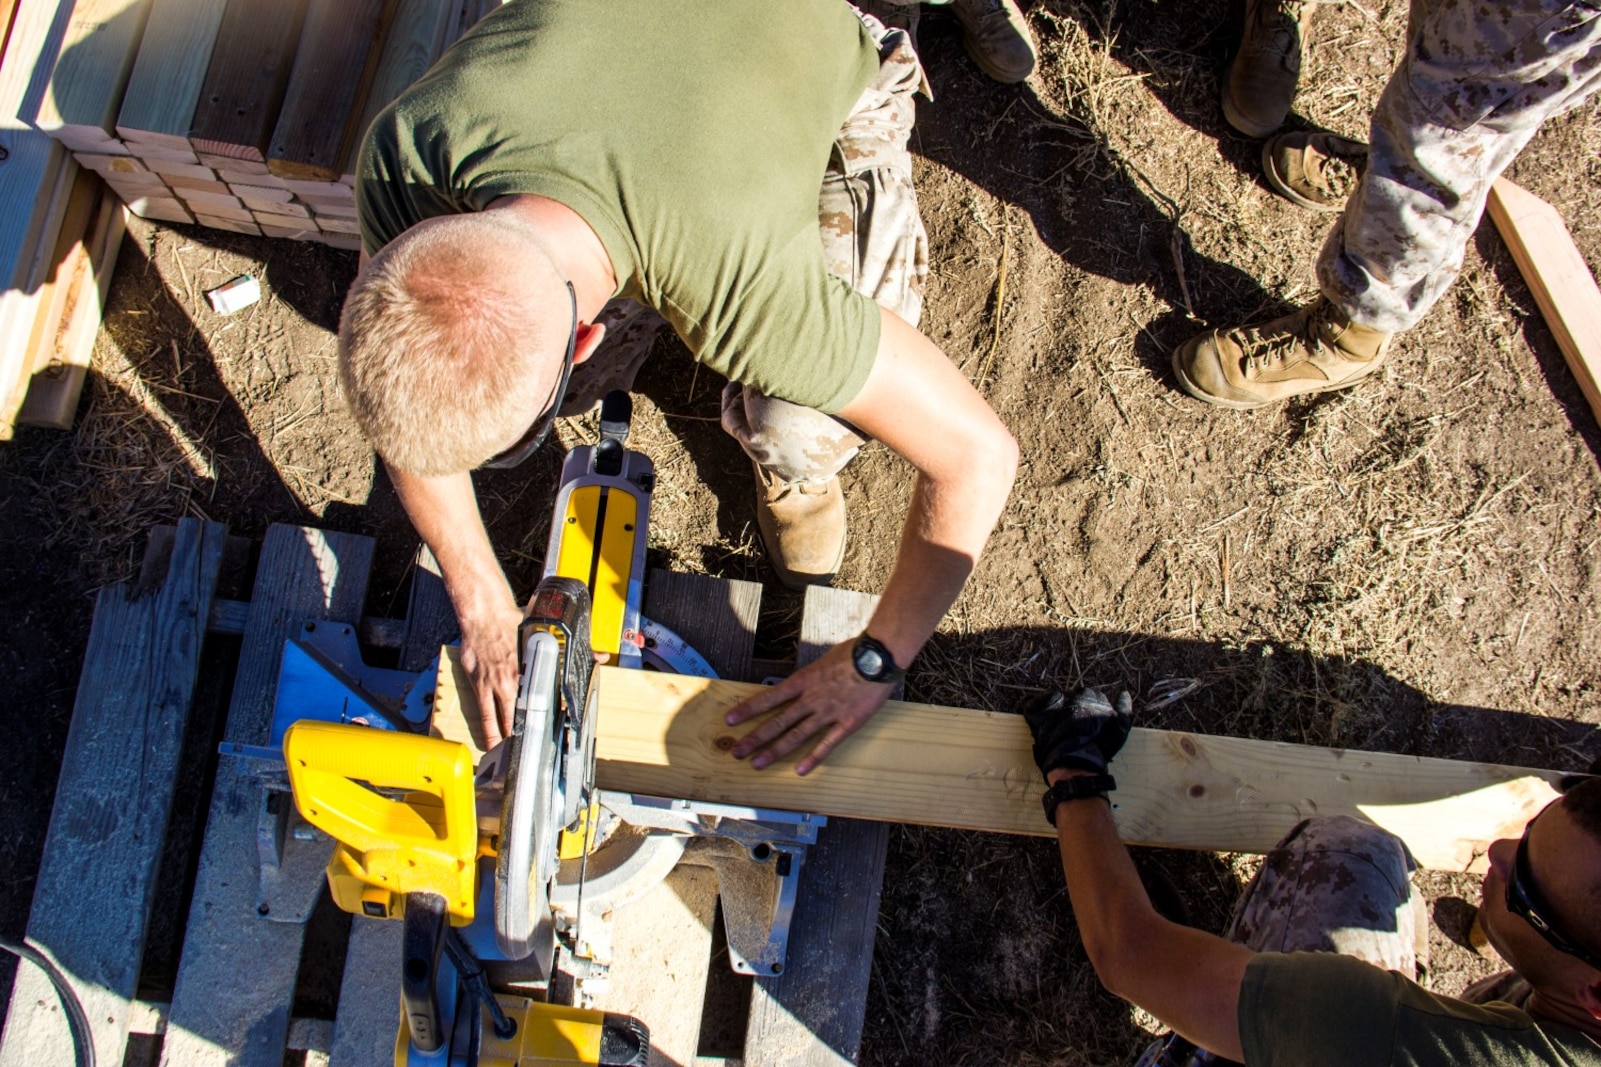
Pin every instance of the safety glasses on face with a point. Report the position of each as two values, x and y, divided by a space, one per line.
1525 901
529 443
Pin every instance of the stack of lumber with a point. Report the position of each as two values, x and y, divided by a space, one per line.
242 115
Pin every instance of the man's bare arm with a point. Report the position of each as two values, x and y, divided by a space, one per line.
445 512
1187 978
921 406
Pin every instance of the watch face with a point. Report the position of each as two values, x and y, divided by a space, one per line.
869 663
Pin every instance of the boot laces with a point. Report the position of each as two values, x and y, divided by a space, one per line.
1301 342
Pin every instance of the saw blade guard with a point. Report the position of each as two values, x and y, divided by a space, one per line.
549 768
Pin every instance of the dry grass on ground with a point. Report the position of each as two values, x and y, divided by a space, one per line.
1410 565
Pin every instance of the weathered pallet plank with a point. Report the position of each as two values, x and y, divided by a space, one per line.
97 56
163 90
717 616
92 901
236 980
415 39
812 1014
244 84
663 941
364 1031
333 66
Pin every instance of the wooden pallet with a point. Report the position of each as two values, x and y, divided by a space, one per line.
104 854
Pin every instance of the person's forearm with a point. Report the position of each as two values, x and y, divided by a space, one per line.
947 526
1187 978
444 512
1109 900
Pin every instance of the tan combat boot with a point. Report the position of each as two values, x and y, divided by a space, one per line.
1314 170
997 37
1314 350
802 526
1260 84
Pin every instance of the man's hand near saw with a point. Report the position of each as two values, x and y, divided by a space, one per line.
922 407
445 513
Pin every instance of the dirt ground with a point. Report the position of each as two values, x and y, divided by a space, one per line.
1408 566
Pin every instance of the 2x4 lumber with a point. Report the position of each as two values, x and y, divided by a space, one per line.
35 178
236 979
92 902
1559 278
40 166
66 345
811 1015
416 37
334 65
163 90
102 38
244 85
972 770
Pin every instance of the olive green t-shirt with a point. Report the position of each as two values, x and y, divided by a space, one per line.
1309 1009
691 135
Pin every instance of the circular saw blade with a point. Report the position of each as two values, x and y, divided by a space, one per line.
531 812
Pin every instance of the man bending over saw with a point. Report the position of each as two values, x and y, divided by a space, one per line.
569 169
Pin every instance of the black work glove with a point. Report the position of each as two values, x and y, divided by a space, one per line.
1079 732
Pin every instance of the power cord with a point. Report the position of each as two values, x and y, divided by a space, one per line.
77 1021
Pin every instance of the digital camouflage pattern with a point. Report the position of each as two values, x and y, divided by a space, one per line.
1478 79
872 237
1336 884
1332 884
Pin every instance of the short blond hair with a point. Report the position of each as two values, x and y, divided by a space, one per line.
448 342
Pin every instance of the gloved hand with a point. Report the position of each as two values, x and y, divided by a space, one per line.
1082 732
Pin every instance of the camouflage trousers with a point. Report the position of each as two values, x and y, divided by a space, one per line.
1477 81
872 237
1333 884
1336 884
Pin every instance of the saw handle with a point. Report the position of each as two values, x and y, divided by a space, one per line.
426 841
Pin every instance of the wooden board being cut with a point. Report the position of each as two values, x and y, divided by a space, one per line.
1558 277
938 766
972 770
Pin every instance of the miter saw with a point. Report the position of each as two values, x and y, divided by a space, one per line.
505 873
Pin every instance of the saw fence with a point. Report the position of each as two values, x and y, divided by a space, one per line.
149 898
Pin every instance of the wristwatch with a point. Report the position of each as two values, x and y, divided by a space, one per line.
875 662
1079 787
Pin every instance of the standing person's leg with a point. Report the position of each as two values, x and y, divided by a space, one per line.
1333 884
1475 85
994 32
872 237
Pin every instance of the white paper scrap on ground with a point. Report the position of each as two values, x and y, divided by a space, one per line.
237 294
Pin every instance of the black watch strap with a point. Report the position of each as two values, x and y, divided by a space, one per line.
874 661
1079 787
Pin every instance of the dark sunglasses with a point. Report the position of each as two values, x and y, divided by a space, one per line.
530 441
1524 901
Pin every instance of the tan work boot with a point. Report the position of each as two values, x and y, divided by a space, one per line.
1313 350
1260 84
803 527
1314 170
997 37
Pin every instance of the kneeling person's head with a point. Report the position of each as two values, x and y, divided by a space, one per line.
1542 899
452 341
